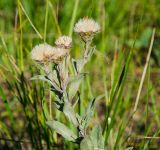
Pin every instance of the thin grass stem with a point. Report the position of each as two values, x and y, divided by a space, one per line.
46 20
144 71
40 36
73 17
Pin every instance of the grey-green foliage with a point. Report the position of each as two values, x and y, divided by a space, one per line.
97 138
74 84
88 114
93 141
45 78
78 65
62 130
70 114
86 143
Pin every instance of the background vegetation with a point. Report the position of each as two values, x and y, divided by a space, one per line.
114 71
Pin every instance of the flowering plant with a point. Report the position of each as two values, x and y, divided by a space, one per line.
55 63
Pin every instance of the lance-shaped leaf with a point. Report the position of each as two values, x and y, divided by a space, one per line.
45 78
70 114
74 84
78 65
129 148
59 104
86 144
91 52
63 130
53 77
97 138
88 114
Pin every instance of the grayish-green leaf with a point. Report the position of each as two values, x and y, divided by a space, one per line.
63 70
88 114
129 148
97 138
53 76
75 103
63 130
79 118
44 78
70 114
78 65
74 85
86 144
59 104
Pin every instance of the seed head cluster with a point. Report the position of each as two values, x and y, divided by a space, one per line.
64 42
44 53
86 25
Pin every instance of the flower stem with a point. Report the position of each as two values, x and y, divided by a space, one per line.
50 105
86 51
79 104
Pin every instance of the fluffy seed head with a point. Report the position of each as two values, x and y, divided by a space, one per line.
59 54
42 52
64 42
87 25
45 53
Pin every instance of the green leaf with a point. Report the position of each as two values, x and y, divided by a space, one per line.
78 65
62 129
45 78
86 144
59 103
94 141
45 108
70 114
74 85
97 138
53 76
88 114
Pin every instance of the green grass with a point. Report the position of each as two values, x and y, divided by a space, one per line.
115 71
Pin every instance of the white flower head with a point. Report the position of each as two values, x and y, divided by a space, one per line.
45 53
59 54
42 52
86 27
64 42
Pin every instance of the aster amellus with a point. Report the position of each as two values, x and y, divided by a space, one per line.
45 53
86 27
64 42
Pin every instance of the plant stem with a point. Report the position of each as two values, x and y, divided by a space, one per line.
86 51
50 104
47 71
79 104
